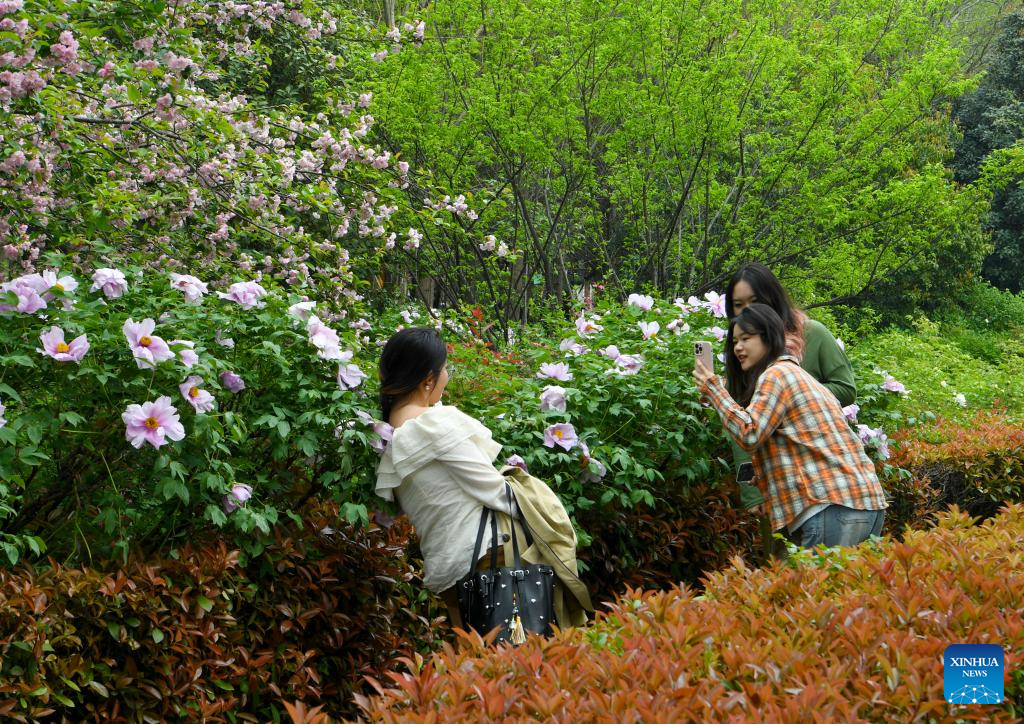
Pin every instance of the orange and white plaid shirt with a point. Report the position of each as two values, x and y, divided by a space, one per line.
803 449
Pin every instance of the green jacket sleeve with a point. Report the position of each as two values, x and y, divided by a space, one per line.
828 363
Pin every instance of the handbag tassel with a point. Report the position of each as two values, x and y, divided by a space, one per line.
517 632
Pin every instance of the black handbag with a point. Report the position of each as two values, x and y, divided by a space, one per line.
514 599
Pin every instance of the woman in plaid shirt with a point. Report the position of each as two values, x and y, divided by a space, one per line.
818 482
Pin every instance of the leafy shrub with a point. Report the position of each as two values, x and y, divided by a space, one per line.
195 133
204 636
851 635
936 369
633 430
688 534
984 306
976 466
73 479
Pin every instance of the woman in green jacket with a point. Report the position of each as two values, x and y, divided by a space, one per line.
808 340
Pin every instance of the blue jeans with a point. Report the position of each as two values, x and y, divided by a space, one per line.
838 525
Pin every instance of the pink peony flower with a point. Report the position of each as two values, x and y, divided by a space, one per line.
678 326
850 411
593 470
152 422
488 243
556 371
350 376
301 311
325 340
641 301
611 352
237 497
111 281
571 345
51 281
517 462
683 306
719 333
11 6
232 382
552 398
876 438
55 346
28 292
716 303
246 294
193 288
891 385
384 432
649 329
562 434
586 327
199 398
148 349
187 353
628 364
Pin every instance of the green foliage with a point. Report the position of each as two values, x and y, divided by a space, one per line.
665 144
992 119
985 308
937 362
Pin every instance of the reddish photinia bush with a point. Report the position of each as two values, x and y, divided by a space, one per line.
855 635
695 530
205 637
976 466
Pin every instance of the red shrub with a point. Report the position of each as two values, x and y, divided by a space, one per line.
205 637
855 636
698 530
977 467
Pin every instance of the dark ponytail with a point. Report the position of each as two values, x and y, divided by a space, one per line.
408 357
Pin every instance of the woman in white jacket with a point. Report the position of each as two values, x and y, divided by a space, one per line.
439 464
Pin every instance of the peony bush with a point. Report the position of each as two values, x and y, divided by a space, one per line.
145 406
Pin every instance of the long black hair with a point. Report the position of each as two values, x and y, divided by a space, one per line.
408 357
767 290
765 322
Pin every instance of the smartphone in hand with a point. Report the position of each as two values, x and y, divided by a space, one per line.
703 356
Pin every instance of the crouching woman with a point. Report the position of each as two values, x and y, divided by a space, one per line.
819 484
439 466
